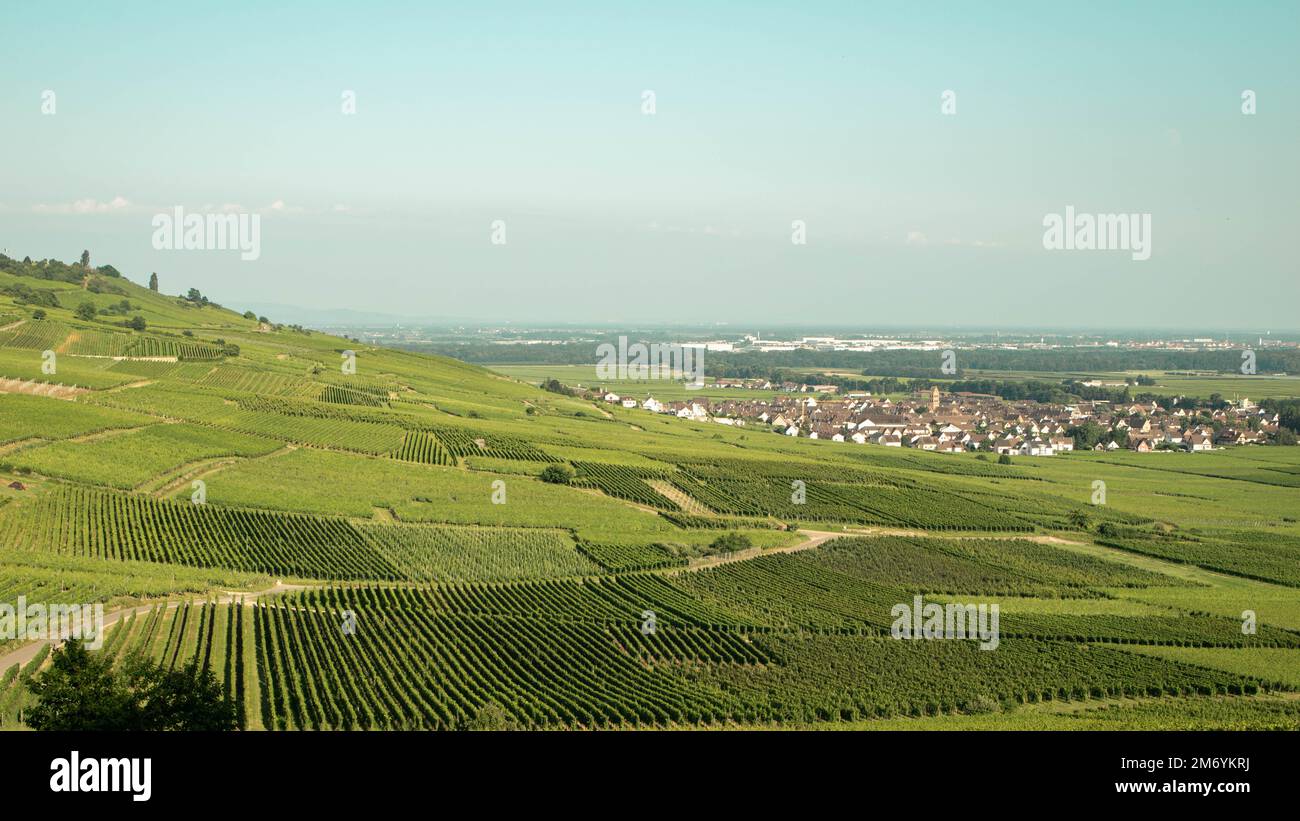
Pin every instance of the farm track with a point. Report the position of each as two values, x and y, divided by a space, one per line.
31 387
200 469
687 503
27 652
815 539
72 338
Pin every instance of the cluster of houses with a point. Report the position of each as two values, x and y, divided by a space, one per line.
961 422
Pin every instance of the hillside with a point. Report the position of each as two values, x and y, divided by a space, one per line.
177 471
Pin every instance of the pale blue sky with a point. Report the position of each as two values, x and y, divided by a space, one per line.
766 113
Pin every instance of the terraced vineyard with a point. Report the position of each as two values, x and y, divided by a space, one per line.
679 575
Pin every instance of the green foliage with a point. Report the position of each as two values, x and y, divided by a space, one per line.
556 474
83 691
729 542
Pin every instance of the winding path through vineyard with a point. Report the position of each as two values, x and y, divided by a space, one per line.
28 652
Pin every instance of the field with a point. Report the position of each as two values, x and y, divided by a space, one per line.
379 550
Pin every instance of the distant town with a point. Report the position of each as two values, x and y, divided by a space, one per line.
964 422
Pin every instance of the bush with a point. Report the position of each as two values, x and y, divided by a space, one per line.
1004 459
137 323
731 542
86 311
557 474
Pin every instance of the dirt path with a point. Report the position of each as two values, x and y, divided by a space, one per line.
815 538
28 652
920 533
188 473
72 339
33 388
674 494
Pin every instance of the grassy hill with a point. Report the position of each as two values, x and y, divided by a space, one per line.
210 452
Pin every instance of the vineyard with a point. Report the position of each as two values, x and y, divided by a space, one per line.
623 482
35 335
418 446
461 442
426 544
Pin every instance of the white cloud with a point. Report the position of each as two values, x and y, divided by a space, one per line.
83 206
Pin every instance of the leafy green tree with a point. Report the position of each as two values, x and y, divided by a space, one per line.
79 692
85 259
137 323
1004 459
731 542
39 313
1086 435
85 691
85 311
153 281
557 474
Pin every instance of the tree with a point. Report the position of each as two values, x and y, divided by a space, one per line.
1079 519
731 542
78 692
153 281
194 295
1087 435
186 699
556 386
86 311
1004 459
39 313
137 323
84 691
250 315
557 474
85 259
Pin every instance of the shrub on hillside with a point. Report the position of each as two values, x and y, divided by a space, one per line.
557 474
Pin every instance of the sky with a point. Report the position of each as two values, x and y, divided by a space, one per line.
529 122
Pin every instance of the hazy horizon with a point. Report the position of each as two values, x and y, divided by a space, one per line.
830 116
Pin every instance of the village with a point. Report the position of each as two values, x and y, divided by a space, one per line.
965 422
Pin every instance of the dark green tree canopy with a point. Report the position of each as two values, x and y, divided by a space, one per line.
86 691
